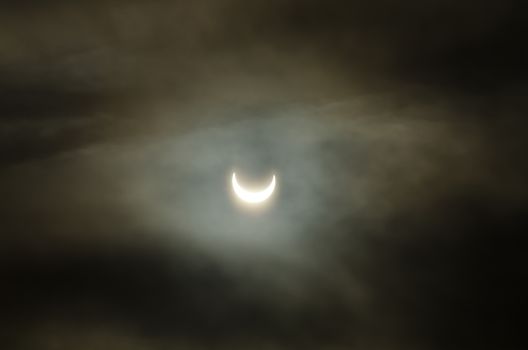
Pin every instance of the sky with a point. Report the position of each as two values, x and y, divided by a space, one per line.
396 130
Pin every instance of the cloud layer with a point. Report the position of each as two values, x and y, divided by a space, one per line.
396 131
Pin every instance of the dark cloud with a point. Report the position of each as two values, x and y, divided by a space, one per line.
396 131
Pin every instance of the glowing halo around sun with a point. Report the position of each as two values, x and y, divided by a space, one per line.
252 197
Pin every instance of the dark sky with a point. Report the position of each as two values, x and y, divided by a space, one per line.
397 130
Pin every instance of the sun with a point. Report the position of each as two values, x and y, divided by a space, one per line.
252 197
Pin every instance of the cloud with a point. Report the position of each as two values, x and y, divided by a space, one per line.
395 131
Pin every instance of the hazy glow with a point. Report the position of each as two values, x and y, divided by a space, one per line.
252 197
